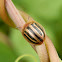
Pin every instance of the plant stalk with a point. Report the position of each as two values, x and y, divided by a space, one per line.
53 55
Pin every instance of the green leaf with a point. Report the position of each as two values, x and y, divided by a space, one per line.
6 54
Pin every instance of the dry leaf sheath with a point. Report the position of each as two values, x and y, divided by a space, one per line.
21 23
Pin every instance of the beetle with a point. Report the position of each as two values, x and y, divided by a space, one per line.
33 32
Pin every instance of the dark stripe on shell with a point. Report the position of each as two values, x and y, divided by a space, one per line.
30 35
37 29
34 33
30 40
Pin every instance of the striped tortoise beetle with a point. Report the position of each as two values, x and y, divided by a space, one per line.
33 32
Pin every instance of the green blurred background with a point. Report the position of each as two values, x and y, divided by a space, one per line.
48 13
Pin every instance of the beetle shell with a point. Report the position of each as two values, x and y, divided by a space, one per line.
33 32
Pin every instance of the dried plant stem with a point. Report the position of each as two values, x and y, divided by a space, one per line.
14 14
42 52
4 15
51 50
26 16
